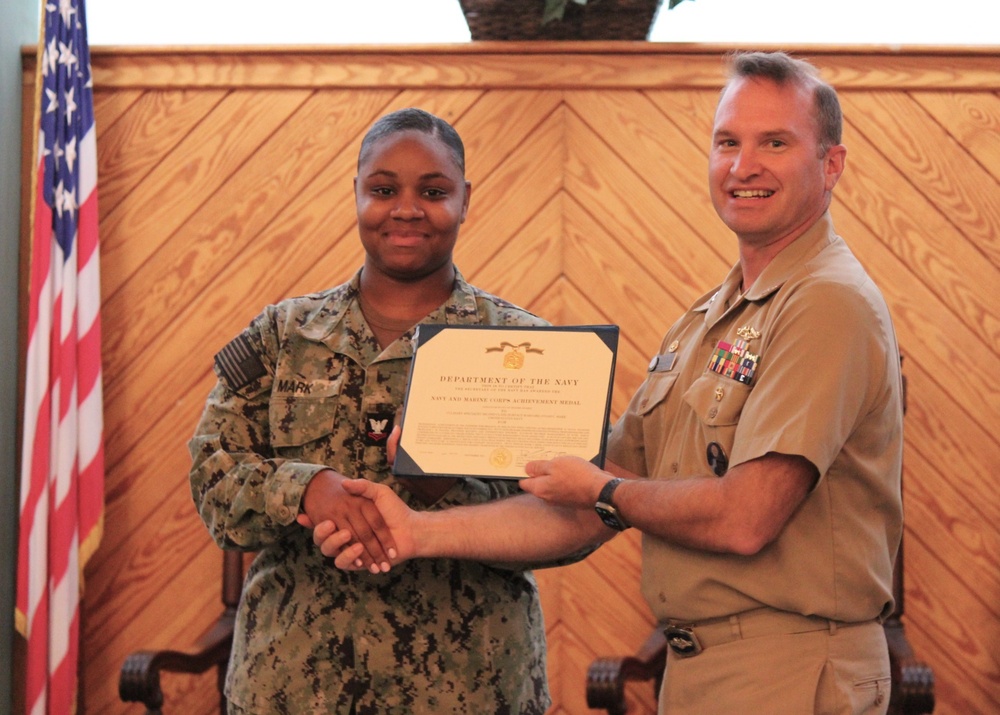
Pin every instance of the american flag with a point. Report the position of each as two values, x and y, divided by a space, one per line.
62 453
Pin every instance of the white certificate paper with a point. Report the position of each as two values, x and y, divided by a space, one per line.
483 401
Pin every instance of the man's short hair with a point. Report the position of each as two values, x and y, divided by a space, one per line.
780 68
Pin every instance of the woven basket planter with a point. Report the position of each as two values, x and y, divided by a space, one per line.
522 20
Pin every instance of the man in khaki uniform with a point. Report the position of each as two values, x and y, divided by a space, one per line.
767 441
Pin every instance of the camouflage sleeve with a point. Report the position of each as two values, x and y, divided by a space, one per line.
247 497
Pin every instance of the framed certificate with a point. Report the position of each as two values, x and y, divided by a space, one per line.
483 401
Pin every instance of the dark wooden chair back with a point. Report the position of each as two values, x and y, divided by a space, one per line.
139 679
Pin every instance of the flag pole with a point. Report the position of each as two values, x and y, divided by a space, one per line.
21 618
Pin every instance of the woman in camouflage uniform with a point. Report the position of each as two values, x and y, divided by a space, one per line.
305 398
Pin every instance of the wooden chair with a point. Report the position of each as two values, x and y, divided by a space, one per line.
912 690
139 679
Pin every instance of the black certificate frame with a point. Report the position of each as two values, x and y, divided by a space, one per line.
456 401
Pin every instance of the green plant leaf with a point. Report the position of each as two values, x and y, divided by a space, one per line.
554 10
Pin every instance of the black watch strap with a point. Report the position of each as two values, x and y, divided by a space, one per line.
606 508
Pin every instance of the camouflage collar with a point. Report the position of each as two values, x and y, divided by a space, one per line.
338 319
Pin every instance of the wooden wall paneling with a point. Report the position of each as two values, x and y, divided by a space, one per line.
451 105
973 120
591 304
673 165
626 207
950 502
940 429
927 331
567 65
928 201
626 292
693 112
208 156
226 184
528 262
958 185
109 105
908 225
609 578
966 669
139 136
142 610
528 178
500 122
887 69
924 325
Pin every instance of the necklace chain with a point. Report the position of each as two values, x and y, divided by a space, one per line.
379 320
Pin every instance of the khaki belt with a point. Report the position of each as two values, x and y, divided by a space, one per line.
688 639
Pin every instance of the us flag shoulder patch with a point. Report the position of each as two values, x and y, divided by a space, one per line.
238 364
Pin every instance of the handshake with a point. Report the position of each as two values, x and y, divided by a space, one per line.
363 525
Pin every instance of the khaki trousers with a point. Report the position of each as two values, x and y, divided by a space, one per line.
835 671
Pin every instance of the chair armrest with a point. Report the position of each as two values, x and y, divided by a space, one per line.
912 681
606 677
139 679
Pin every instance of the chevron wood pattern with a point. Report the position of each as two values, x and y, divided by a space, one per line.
226 183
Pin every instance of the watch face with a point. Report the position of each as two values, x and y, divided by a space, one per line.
610 518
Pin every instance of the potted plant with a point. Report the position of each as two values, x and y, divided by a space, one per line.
561 19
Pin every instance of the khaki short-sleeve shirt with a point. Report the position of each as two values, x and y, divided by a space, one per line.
806 363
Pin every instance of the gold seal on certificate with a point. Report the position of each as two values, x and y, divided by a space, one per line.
483 401
500 457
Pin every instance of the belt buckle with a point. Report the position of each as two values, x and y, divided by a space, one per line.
682 641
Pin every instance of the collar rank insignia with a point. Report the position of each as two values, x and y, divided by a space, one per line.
748 333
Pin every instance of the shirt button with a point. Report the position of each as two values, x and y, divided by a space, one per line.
674 467
643 403
713 412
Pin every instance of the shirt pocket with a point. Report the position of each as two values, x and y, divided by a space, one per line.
717 400
306 415
654 392
718 403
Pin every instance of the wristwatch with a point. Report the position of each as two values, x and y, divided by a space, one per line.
606 509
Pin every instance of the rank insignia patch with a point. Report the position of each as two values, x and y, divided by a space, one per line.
734 360
378 425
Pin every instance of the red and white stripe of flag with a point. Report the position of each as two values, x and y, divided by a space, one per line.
62 468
